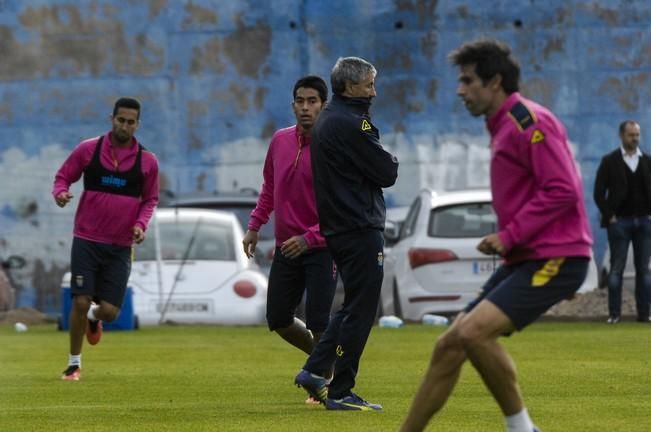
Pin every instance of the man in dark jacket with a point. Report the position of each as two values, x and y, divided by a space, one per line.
622 192
350 168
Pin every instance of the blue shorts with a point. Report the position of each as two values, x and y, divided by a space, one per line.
99 270
312 273
527 290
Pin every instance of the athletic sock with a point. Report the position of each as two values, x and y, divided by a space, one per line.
520 422
74 360
91 313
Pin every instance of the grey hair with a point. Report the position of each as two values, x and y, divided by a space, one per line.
353 69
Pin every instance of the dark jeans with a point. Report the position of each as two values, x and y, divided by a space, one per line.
620 236
359 257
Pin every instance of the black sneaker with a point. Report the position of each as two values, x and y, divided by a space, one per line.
315 385
351 403
72 373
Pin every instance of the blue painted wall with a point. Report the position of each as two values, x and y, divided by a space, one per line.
215 79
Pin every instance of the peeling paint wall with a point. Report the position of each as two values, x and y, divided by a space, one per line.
215 78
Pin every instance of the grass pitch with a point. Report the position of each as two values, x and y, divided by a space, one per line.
575 376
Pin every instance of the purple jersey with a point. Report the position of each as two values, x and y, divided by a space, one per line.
106 217
536 186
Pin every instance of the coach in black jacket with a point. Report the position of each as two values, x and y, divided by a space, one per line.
622 191
350 168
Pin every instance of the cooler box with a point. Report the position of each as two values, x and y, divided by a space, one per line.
126 320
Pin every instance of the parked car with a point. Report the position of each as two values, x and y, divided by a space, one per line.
394 220
7 290
196 271
241 203
435 266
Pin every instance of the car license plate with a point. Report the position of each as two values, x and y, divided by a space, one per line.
185 307
483 267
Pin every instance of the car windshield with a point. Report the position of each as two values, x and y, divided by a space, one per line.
195 240
464 220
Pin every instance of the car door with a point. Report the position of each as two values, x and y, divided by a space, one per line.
452 265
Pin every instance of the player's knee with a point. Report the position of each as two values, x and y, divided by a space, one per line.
109 314
469 334
448 340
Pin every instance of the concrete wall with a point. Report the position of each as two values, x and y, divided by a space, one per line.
215 79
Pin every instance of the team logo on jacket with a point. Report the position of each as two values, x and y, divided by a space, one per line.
339 351
112 181
366 125
537 137
380 259
79 281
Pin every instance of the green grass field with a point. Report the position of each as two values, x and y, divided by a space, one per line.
575 377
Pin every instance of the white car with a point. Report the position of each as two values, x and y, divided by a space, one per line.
197 272
435 266
242 203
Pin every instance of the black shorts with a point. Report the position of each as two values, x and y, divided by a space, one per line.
99 270
312 273
527 290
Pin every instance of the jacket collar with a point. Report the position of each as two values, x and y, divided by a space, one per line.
358 104
302 139
493 121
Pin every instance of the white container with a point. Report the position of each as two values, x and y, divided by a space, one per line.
390 321
20 327
435 320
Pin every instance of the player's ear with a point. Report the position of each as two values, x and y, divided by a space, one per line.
495 83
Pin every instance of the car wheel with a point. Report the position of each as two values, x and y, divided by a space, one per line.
397 309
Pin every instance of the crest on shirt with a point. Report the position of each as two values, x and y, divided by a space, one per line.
537 136
79 281
365 125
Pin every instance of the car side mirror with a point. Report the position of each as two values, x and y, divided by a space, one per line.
14 262
391 232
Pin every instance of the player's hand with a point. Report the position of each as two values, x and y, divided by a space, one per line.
63 198
138 234
249 243
491 245
293 247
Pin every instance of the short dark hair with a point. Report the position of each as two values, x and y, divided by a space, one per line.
126 102
313 82
353 69
490 57
625 123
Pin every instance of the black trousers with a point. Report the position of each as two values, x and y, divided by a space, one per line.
359 257
312 273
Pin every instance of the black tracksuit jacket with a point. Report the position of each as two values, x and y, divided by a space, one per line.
350 168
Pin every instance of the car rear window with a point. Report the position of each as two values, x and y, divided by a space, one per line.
461 221
242 212
197 240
